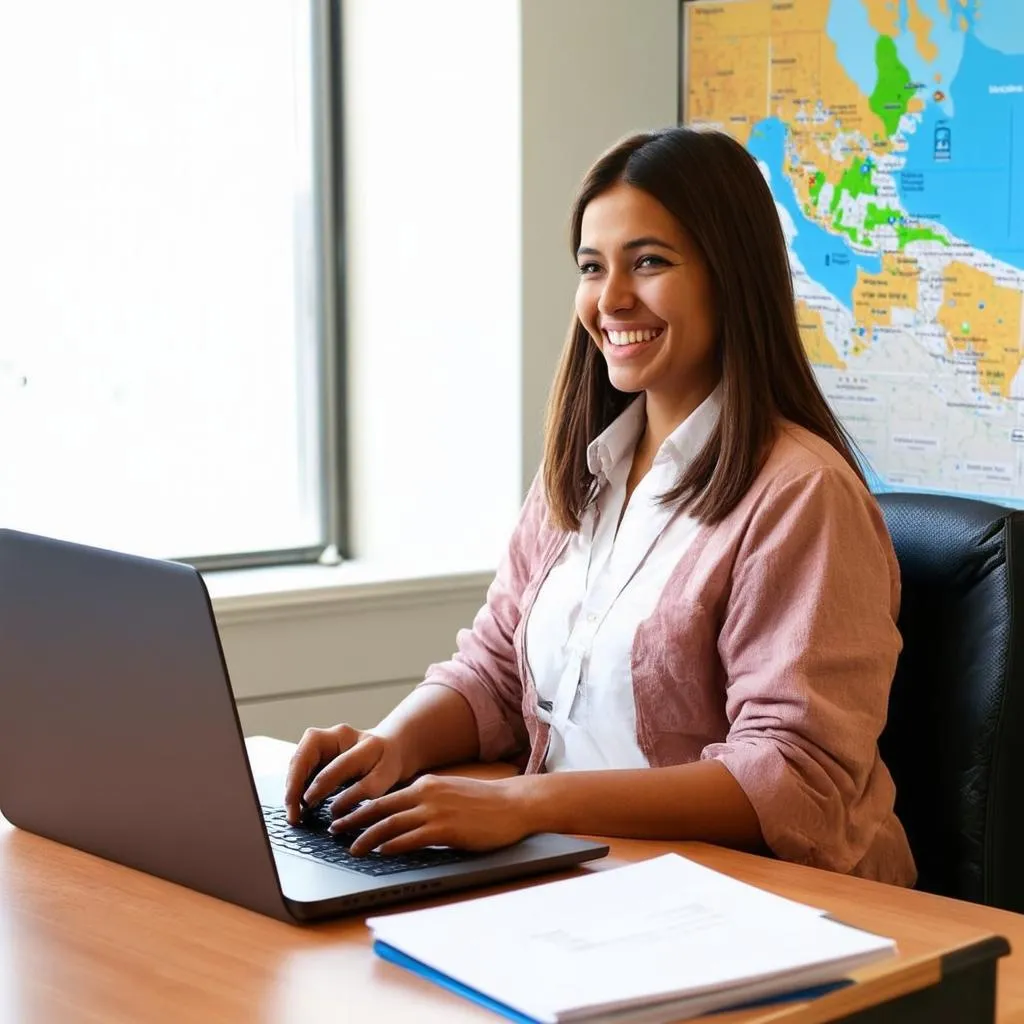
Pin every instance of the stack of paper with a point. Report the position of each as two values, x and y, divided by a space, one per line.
655 941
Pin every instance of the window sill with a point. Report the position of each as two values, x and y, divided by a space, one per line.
252 595
313 643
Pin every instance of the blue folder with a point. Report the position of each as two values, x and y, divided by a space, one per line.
395 956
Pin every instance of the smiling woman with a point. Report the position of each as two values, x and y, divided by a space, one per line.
693 633
709 253
645 301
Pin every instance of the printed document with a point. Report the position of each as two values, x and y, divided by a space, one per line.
656 940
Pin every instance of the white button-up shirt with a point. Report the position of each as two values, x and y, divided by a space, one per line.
579 635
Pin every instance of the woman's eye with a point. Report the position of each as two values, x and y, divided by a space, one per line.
588 268
651 261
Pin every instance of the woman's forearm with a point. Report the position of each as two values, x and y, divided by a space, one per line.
700 801
433 726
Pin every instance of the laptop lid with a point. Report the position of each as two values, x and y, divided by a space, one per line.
119 735
118 730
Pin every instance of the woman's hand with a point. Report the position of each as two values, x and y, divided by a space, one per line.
336 756
437 810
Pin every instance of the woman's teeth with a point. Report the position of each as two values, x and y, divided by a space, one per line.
632 337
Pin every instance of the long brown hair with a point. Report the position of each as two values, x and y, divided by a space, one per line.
715 190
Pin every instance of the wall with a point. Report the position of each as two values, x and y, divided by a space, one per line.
592 72
432 184
588 72
344 654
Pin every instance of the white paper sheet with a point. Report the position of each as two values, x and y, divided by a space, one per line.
659 929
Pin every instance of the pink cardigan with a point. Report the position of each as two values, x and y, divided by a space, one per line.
772 649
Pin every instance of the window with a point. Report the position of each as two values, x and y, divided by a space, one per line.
166 330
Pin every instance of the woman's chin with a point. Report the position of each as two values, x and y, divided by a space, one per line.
623 379
630 367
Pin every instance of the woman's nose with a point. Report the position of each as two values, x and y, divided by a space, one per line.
616 295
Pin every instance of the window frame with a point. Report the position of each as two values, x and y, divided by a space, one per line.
327 134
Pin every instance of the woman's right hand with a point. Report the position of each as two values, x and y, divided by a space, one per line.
328 758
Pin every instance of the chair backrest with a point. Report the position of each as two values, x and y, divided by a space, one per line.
954 741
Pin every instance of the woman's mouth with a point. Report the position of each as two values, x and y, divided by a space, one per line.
623 339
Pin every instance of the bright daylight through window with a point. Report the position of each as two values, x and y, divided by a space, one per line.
160 329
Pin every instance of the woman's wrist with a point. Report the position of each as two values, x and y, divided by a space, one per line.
400 750
701 801
432 726
527 803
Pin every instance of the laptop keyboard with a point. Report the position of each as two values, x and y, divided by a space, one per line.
312 840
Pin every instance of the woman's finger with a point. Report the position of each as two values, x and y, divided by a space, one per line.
371 786
388 829
418 838
352 764
307 758
375 810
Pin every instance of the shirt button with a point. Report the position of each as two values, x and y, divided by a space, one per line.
591 617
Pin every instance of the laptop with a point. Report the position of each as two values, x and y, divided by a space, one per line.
119 735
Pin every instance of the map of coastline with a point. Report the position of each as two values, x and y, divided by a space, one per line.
891 133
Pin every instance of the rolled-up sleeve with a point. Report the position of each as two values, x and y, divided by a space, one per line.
809 646
484 669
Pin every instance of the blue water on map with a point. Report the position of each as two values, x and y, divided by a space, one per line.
848 27
826 257
1000 25
967 171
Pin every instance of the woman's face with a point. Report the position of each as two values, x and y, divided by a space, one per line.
645 299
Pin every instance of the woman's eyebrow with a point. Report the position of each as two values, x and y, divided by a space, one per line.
635 243
639 243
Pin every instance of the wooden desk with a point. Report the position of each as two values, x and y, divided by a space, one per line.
82 940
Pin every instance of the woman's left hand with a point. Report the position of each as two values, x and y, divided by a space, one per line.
440 810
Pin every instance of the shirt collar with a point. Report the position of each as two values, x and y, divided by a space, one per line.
620 437
684 444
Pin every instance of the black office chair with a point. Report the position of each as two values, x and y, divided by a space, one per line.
955 736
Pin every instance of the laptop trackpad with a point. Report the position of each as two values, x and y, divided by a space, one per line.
306 881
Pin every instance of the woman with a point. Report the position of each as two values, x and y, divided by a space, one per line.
692 635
